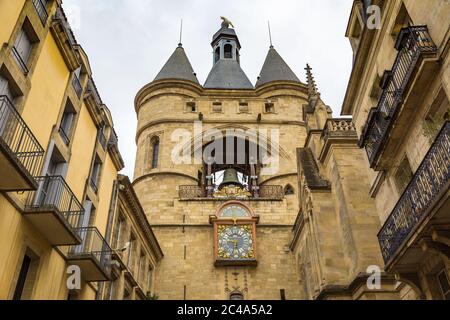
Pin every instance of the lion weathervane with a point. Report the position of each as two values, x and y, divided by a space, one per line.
226 23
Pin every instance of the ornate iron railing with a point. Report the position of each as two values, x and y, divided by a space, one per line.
41 10
77 85
430 179
413 42
18 138
54 194
261 192
93 244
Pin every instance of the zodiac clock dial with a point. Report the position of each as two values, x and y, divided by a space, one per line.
235 242
234 211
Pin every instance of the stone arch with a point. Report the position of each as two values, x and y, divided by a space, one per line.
197 142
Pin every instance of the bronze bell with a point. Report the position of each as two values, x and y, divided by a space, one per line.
230 177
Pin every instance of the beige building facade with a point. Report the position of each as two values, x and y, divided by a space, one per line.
398 95
180 199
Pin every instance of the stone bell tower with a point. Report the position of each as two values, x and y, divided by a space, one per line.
224 221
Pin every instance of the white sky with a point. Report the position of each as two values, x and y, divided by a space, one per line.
128 42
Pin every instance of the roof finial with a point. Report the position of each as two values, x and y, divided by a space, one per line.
226 23
312 88
270 34
180 44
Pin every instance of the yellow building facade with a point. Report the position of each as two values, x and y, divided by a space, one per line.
59 160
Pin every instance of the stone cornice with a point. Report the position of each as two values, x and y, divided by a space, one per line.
216 121
338 132
349 290
298 89
359 66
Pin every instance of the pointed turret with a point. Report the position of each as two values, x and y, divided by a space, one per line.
178 67
275 69
226 72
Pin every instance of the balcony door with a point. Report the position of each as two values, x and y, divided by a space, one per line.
52 187
4 88
6 97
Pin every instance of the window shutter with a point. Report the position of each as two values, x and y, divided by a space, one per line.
66 122
4 88
23 45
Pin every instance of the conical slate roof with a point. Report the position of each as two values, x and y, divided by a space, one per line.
178 67
275 69
227 74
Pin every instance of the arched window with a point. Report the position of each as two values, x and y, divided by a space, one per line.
155 152
228 49
217 55
236 296
288 190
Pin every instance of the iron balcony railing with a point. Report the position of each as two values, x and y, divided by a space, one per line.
18 138
429 181
54 194
261 192
413 42
22 64
41 10
94 245
76 84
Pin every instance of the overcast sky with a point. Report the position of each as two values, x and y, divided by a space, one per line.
128 42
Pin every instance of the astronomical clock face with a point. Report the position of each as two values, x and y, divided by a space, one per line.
235 242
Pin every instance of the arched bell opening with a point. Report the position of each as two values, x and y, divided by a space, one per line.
231 163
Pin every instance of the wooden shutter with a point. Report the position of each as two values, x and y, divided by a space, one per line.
23 45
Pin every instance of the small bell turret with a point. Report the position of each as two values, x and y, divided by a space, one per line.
230 177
